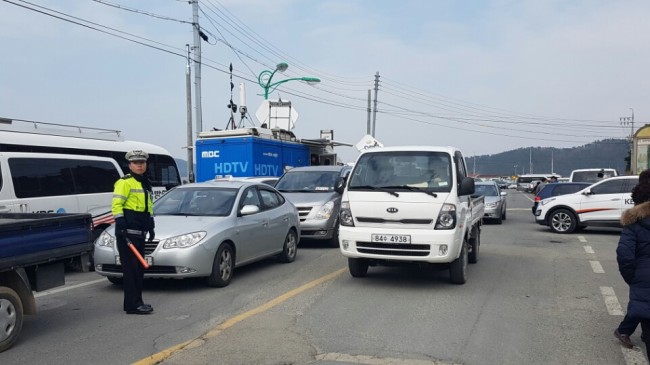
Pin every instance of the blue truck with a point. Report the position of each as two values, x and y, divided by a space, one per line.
247 152
33 249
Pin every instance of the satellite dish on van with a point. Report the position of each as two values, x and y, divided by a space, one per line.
367 142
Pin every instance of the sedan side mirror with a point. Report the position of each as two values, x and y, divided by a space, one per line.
339 185
587 192
504 193
249 209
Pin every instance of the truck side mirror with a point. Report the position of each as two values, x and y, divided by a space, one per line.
466 186
339 185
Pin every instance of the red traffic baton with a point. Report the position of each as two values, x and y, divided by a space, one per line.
137 254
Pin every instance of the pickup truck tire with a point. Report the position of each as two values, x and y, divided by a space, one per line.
11 317
289 249
562 221
474 244
458 267
358 267
222 267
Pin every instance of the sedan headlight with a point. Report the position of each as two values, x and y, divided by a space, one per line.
490 205
184 240
105 239
325 211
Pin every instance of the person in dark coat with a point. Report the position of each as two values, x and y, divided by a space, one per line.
633 256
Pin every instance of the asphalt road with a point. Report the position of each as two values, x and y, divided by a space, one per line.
534 297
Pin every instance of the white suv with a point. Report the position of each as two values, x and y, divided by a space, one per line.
599 204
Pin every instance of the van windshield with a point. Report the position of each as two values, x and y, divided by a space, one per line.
591 176
404 170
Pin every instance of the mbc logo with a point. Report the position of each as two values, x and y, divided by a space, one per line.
210 154
391 210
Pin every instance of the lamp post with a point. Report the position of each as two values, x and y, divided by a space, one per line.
264 79
515 170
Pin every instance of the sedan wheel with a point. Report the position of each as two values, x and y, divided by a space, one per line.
290 247
222 268
562 221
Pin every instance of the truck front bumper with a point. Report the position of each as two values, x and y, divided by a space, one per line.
431 246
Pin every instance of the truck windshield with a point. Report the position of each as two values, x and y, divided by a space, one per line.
403 170
307 181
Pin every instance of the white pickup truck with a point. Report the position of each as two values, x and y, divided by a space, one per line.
410 205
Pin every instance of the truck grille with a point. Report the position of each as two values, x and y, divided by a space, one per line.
403 221
393 249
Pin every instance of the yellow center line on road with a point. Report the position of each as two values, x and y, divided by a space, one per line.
164 354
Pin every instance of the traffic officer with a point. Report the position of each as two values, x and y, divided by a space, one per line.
133 212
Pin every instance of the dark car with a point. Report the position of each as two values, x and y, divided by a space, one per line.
555 189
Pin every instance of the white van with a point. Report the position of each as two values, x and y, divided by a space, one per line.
410 204
58 183
592 175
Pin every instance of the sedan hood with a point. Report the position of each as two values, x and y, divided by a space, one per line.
310 199
492 199
174 225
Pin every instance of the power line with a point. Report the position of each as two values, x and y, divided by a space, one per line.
133 10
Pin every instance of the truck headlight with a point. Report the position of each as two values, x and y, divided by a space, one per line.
345 215
447 217
184 240
325 211
105 239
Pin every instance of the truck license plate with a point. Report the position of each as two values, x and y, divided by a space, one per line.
148 259
390 238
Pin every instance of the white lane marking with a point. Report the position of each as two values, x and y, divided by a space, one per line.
582 239
66 288
589 249
597 267
372 360
611 302
634 356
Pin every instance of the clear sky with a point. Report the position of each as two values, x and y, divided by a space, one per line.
485 76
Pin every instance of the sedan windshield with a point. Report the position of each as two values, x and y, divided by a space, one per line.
200 201
307 181
486 190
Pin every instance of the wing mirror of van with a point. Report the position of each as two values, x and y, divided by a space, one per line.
466 186
339 185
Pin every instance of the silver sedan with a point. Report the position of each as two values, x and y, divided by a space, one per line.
208 229
495 200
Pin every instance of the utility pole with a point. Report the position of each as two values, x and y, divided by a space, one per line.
197 65
374 113
552 170
530 161
625 121
369 126
190 137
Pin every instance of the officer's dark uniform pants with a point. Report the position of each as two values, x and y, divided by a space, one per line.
132 272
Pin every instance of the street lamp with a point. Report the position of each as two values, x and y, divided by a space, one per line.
264 79
515 170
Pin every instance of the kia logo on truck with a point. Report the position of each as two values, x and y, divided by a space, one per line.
391 210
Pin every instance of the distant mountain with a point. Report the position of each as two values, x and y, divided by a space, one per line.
605 153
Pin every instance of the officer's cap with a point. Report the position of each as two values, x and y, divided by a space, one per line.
137 155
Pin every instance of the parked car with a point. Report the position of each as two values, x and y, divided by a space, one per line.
311 190
495 200
556 189
208 229
599 204
502 184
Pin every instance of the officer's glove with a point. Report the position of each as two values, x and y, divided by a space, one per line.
152 234
120 227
